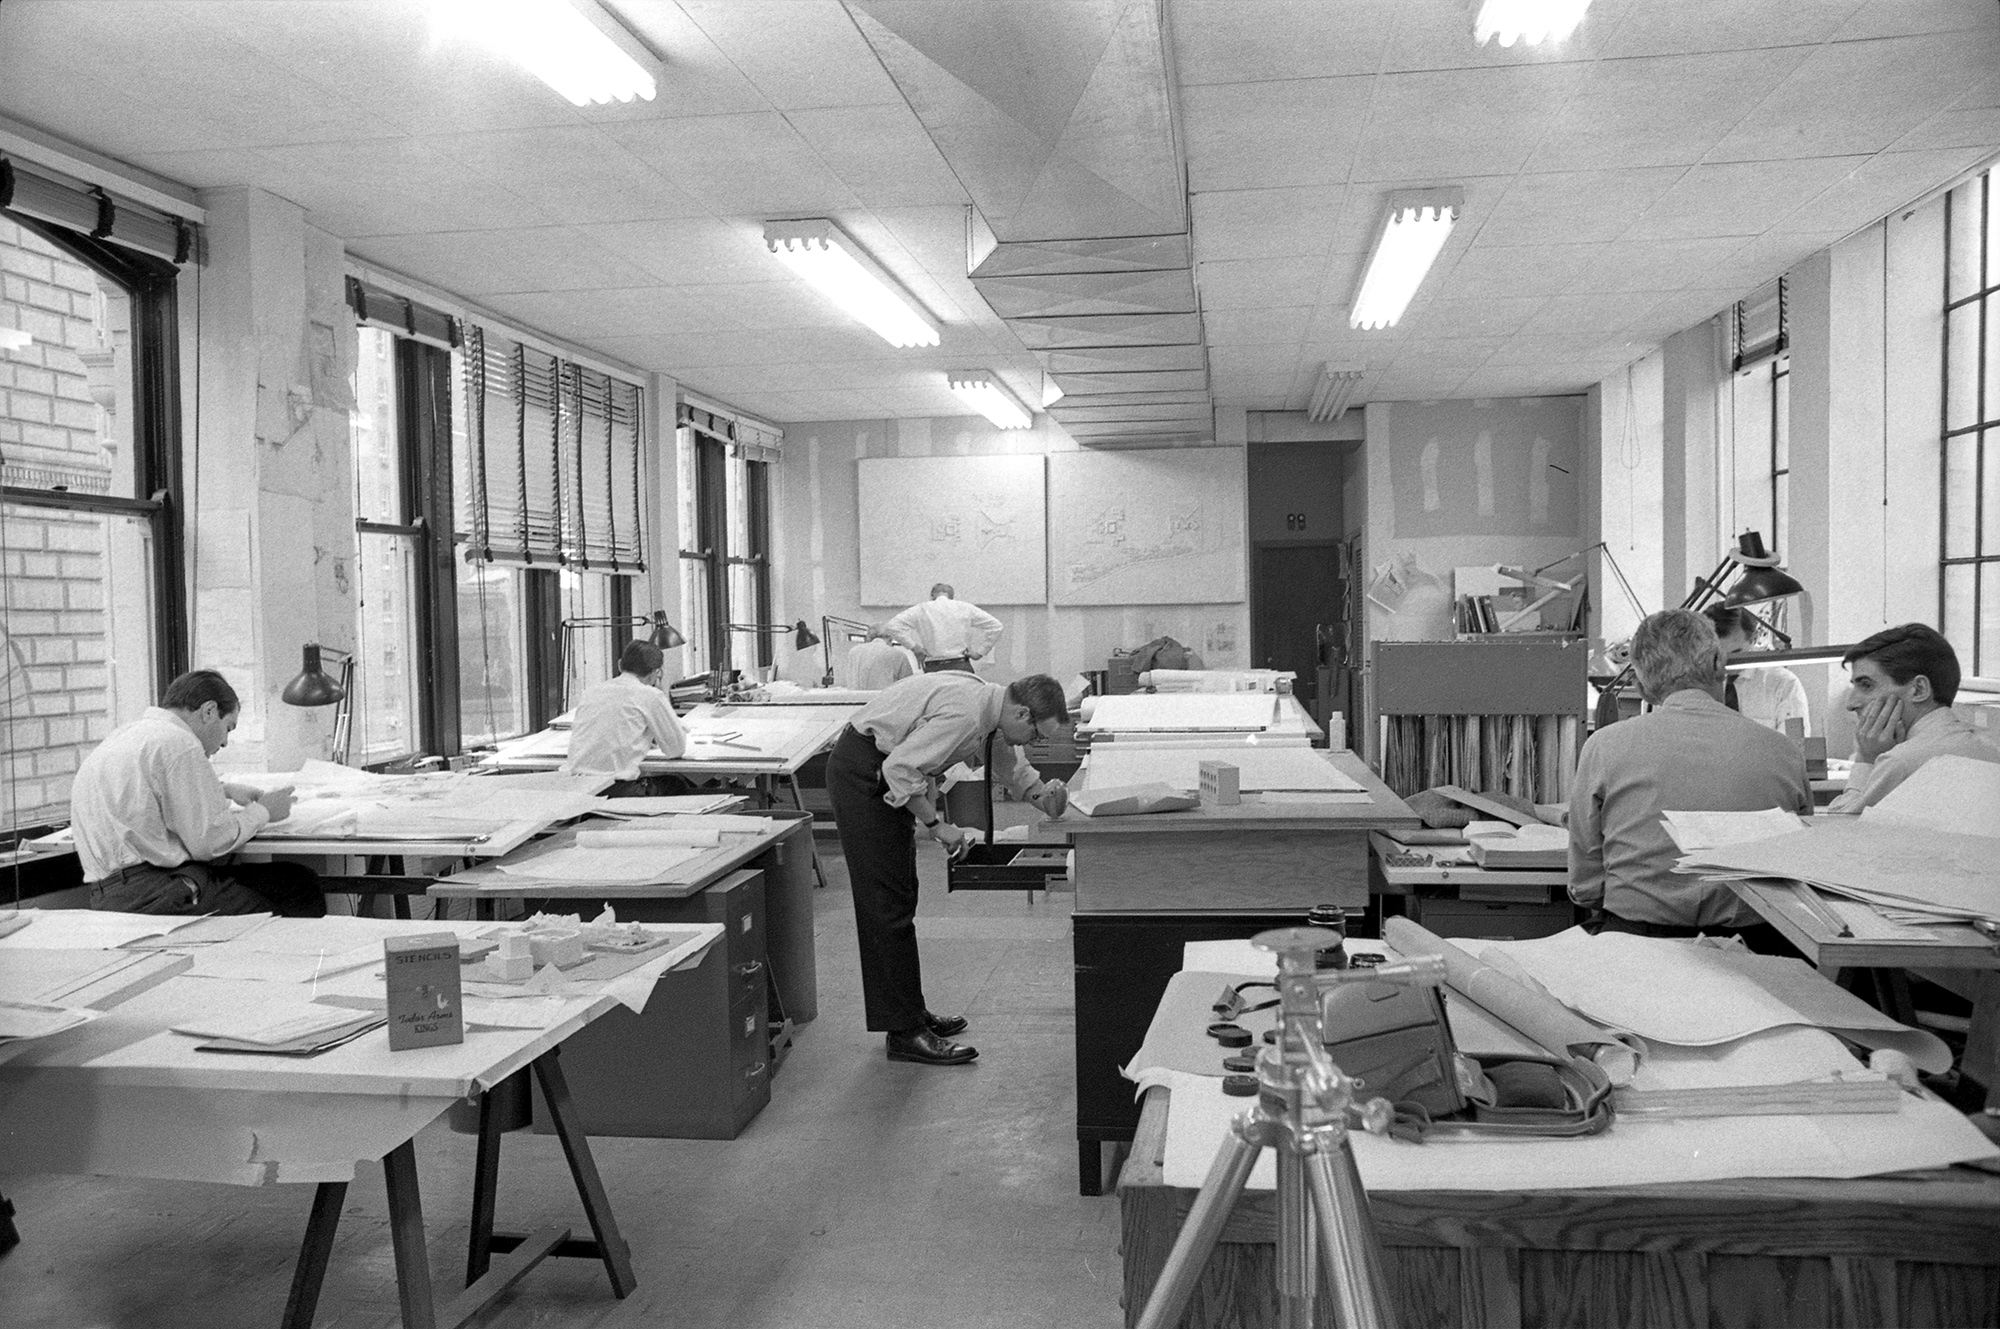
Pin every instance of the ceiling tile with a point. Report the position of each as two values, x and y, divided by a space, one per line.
1460 123
1736 198
1760 260
478 263
1560 348
693 250
1445 319
1256 327
754 163
1659 110
1513 271
1575 206
1688 26
1652 265
1251 283
1268 223
798 54
1896 18
881 153
1265 135
1881 184
1256 41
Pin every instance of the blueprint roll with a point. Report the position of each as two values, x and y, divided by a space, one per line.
1521 1002
649 838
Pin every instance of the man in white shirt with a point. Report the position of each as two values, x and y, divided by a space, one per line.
153 821
1901 685
621 721
1769 695
882 777
878 661
945 633
1690 753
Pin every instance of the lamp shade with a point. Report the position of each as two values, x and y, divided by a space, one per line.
312 687
665 635
804 638
1757 585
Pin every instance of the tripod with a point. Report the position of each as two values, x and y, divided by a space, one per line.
1304 1107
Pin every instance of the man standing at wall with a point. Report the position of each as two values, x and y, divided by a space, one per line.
946 633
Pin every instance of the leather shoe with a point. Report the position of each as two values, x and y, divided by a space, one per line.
944 1026
926 1048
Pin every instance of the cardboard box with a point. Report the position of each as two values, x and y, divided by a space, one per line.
1221 784
425 1008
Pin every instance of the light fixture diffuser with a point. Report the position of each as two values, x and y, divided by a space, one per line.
576 47
985 393
841 270
1530 22
1331 395
1418 223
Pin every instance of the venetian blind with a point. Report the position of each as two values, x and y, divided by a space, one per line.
553 467
1763 323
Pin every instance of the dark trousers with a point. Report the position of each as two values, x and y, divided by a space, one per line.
880 845
289 889
651 786
1761 938
957 664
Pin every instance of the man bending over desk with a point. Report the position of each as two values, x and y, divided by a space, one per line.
1901 685
1690 753
620 722
154 823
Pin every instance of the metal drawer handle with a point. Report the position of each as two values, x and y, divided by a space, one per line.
748 968
754 1071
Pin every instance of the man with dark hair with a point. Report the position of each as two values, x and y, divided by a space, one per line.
944 631
1770 694
883 777
620 721
1690 753
1901 685
153 822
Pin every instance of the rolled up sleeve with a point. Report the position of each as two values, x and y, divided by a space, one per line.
1011 770
928 748
665 728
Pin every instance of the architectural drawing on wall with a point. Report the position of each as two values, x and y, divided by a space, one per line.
1146 527
1487 468
975 522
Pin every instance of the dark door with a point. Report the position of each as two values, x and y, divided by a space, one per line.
1297 591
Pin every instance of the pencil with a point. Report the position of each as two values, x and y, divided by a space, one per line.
1815 906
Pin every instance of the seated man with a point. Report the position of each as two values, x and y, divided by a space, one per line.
154 823
878 661
1690 753
1770 695
620 721
1902 682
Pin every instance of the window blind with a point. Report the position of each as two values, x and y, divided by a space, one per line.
748 438
554 467
34 191
1763 323
382 308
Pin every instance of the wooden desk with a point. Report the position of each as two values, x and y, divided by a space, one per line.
1147 885
1466 900
1917 1248
123 1096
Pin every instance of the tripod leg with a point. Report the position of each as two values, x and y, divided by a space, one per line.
1353 1251
1219 1191
1297 1278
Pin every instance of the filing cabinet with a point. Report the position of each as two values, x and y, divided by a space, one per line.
696 1064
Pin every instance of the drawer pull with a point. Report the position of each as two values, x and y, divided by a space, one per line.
748 968
754 1071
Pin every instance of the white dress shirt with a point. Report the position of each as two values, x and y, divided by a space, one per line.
1688 754
1771 696
617 723
874 665
1941 733
926 724
944 629
148 795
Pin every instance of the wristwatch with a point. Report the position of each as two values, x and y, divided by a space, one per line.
933 823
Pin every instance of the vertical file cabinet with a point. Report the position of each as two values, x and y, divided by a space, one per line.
696 1064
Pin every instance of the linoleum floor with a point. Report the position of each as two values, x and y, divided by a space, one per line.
868 1194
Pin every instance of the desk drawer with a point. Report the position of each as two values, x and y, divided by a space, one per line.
1494 921
1218 870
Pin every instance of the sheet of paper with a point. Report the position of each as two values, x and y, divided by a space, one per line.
210 930
678 804
1922 1134
1955 794
272 1024
1259 769
648 836
1696 996
1876 860
528 1013
1185 711
86 929
633 865
22 1020
1694 831
241 963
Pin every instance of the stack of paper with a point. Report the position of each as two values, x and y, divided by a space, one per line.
1695 831
1911 873
292 1032
21 1021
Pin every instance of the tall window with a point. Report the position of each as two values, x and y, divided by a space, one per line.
704 552
1761 395
1969 553
92 622
749 502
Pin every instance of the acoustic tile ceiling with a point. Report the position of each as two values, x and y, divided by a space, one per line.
1668 158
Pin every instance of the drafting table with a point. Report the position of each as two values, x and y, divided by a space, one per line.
1147 884
1961 959
1289 724
125 1097
1919 1247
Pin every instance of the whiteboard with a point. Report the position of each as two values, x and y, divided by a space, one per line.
978 523
1257 769
1180 712
1150 526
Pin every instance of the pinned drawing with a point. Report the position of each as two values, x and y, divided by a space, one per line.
1146 527
1482 465
1432 502
1538 482
1488 468
976 522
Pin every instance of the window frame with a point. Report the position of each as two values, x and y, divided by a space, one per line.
1983 427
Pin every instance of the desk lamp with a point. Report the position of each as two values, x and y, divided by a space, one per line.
856 631
803 637
663 635
312 687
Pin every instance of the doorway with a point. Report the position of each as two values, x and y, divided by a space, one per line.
1298 600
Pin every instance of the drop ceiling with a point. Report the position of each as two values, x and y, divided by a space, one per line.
1667 159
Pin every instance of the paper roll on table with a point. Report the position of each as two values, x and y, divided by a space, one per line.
649 837
1515 998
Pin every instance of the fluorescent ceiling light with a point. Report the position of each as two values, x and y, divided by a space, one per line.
1330 397
1530 22
1415 229
827 256
577 47
985 393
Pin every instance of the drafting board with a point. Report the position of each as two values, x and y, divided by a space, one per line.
975 522
1185 712
1114 765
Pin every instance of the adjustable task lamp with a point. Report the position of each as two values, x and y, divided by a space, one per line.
856 631
803 637
663 635
312 687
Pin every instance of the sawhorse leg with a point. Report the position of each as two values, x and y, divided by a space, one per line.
314 1252
611 1247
